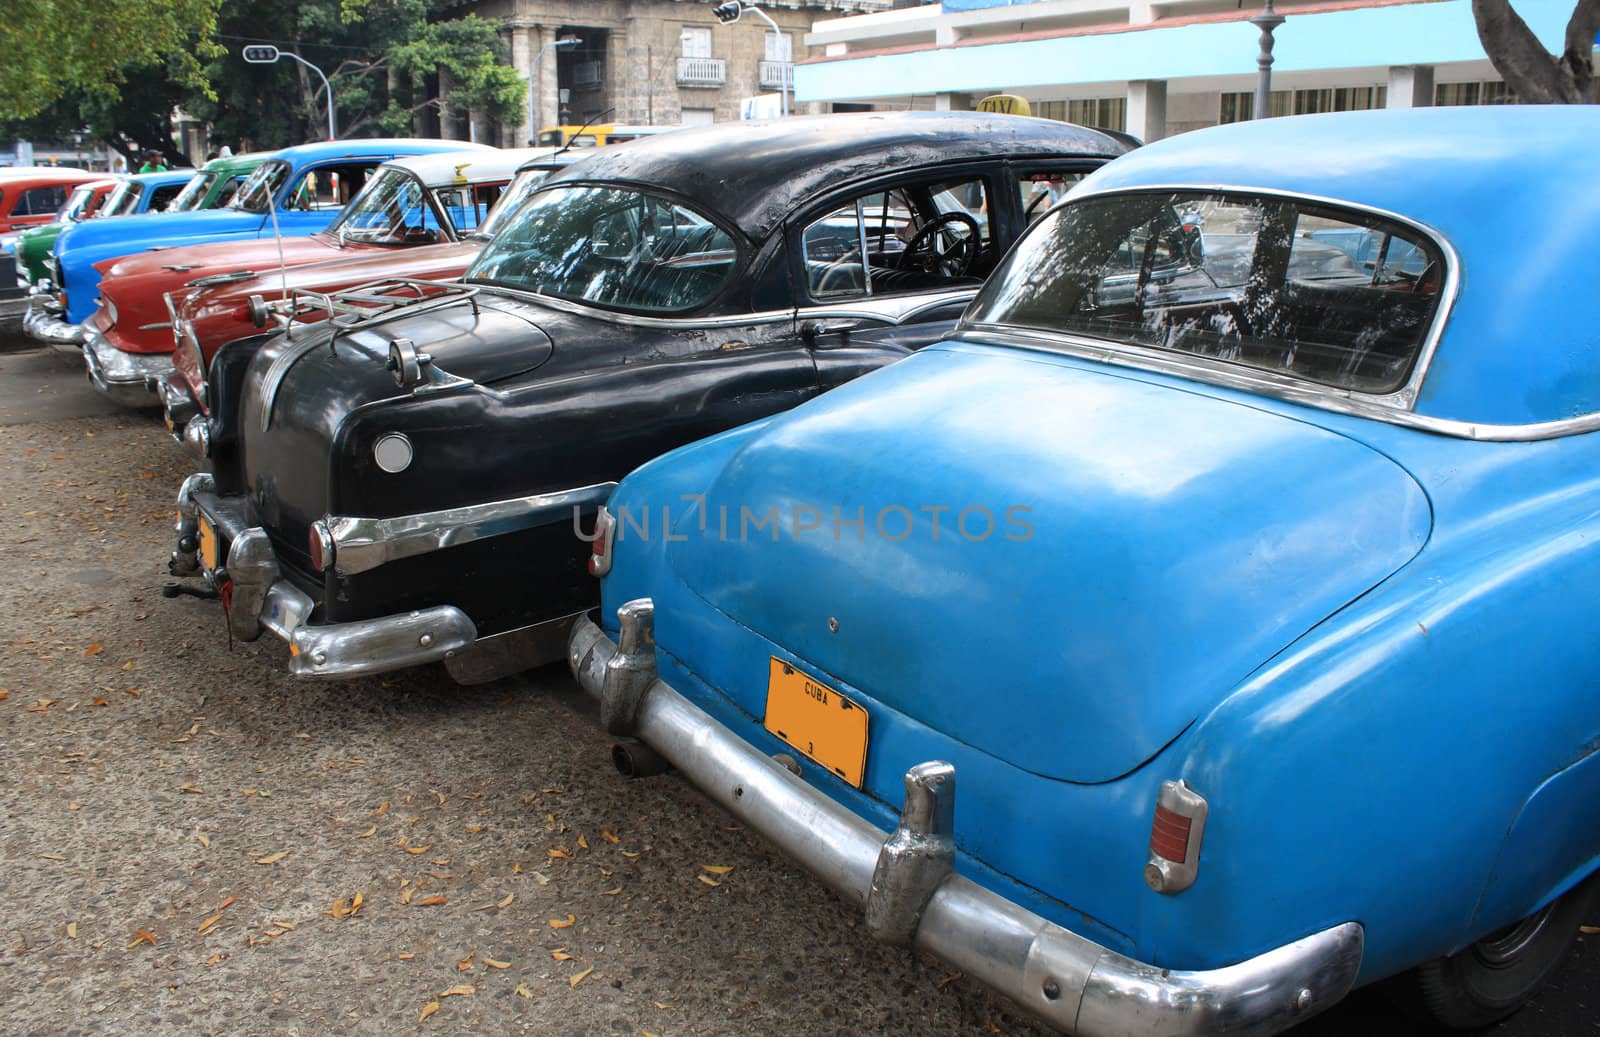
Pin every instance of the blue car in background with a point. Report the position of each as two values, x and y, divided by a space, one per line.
297 192
1235 553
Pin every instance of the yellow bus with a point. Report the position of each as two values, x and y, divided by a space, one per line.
595 135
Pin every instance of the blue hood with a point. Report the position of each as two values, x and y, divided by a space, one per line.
1132 551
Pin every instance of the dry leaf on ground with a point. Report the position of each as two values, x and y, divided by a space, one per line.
427 1010
717 869
465 964
557 923
432 901
708 880
459 990
142 936
273 858
493 964
580 977
523 991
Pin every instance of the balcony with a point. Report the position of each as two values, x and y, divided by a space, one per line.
587 75
702 72
776 75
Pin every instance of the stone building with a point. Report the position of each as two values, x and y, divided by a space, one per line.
651 62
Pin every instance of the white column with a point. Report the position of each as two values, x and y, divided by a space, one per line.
549 107
517 131
945 35
1147 109
1410 86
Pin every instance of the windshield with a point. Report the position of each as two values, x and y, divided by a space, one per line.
76 205
1333 296
509 202
392 209
610 246
193 193
258 189
124 198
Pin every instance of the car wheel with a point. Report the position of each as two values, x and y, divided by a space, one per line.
1495 976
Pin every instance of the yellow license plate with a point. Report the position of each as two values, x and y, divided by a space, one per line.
818 721
208 544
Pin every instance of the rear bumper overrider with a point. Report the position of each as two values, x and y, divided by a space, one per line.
132 379
46 322
905 884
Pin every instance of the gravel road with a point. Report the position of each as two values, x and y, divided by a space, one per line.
193 843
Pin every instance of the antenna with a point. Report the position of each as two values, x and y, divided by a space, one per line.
277 237
590 122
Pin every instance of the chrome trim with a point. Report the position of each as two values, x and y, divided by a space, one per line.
278 370
1265 383
362 544
325 548
197 437
128 378
177 406
1070 982
734 320
891 309
1404 398
43 323
158 326
511 651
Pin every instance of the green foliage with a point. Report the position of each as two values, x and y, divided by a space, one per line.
55 48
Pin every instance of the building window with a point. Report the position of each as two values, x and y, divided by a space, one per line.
1473 93
697 116
696 42
780 46
1239 106
1103 113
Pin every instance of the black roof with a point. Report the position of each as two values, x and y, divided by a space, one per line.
754 173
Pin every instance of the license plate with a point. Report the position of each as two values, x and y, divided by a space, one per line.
818 721
208 544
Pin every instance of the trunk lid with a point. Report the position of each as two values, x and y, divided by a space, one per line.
1145 548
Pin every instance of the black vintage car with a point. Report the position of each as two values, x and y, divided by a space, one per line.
399 485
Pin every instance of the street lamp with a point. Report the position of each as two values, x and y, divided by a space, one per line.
263 54
533 78
728 13
1266 21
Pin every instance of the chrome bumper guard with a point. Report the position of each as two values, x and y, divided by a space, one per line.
260 599
128 378
905 883
177 405
44 322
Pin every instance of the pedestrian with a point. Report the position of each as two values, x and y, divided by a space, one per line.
153 162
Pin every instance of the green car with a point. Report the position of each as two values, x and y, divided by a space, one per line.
209 188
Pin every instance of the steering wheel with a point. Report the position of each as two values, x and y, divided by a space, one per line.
847 269
954 259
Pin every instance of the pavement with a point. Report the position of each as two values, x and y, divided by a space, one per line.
194 843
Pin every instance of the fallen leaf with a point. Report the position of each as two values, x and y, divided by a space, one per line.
496 964
580 977
227 903
459 990
557 923
405 957
947 980
427 1010
414 850
100 700
94 649
282 925
612 892
215 958
440 875
273 858
129 665
432 901
383 809
506 901
664 1008
708 880
465 964
560 853
474 829
191 790
300 734
647 1033
717 869
583 843
605 833
560 954
405 898
631 856
516 869
132 691
72 930
371 831
202 840
207 924
52 856
142 936
523 991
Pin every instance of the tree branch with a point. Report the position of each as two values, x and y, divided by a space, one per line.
1519 57
1577 60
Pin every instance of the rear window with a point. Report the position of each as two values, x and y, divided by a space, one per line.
1329 295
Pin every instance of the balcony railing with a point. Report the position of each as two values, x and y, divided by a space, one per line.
712 72
776 75
588 74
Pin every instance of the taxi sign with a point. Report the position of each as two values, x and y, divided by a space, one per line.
1005 104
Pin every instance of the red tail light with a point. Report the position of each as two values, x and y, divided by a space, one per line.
1175 835
605 528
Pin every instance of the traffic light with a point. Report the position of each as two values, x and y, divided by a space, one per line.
261 54
729 12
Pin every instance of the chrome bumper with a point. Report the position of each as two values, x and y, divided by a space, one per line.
905 884
45 323
128 378
177 406
257 597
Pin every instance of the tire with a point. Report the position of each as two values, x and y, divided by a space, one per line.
1489 980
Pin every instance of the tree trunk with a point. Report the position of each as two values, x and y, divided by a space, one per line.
1535 74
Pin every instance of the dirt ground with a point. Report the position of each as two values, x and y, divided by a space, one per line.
190 842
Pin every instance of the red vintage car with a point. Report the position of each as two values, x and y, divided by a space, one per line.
408 202
209 315
30 195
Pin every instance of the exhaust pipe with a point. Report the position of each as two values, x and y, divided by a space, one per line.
634 759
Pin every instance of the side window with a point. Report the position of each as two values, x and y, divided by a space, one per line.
39 201
913 237
163 197
328 188
466 206
1043 188
226 192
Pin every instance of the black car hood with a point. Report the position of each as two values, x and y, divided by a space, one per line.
486 339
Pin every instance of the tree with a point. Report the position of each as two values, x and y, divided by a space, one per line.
1538 76
56 48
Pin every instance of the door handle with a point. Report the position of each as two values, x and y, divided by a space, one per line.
812 330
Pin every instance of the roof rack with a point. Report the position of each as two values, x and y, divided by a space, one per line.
364 305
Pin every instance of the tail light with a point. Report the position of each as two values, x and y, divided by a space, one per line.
605 528
320 546
1175 836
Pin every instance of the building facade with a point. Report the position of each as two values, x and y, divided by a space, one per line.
648 62
1157 67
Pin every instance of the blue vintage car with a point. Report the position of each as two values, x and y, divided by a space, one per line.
295 193
1201 631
